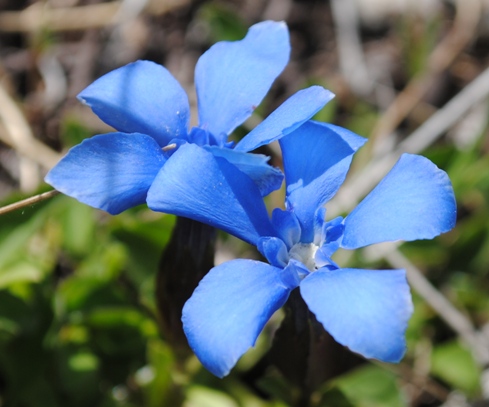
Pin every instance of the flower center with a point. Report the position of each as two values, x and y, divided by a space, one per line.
305 252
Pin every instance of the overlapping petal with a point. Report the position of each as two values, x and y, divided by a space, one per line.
229 309
274 250
415 200
287 226
291 114
316 157
112 171
366 310
141 97
232 78
198 185
265 177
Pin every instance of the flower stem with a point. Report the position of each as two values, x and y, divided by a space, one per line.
28 201
186 259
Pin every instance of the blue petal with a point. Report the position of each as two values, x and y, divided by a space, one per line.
229 309
295 272
274 250
331 235
319 225
296 110
322 258
287 226
316 157
332 230
415 200
366 310
141 97
197 185
200 137
112 171
265 177
233 77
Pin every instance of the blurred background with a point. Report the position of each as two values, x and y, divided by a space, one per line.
78 315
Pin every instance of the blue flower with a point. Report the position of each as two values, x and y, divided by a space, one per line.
365 310
150 111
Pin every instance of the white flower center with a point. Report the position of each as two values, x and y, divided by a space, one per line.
304 252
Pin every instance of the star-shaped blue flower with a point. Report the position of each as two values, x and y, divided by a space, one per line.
366 310
150 111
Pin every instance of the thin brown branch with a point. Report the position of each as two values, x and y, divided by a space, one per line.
99 15
28 201
18 133
459 322
350 51
358 186
461 33
406 373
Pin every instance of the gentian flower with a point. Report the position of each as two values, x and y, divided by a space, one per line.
150 111
365 310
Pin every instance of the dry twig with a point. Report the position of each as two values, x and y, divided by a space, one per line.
39 15
423 137
461 33
19 136
28 201
351 58
444 308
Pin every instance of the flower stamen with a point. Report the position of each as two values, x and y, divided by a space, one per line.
305 252
169 147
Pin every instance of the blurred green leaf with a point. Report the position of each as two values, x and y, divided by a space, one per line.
78 376
73 132
159 387
334 397
21 271
14 243
83 362
78 225
362 119
115 316
223 22
199 396
371 386
8 328
327 113
418 34
144 240
454 364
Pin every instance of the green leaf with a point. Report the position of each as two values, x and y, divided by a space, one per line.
199 396
334 397
73 132
13 243
83 362
223 22
371 386
454 364
19 272
78 224
115 316
156 379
